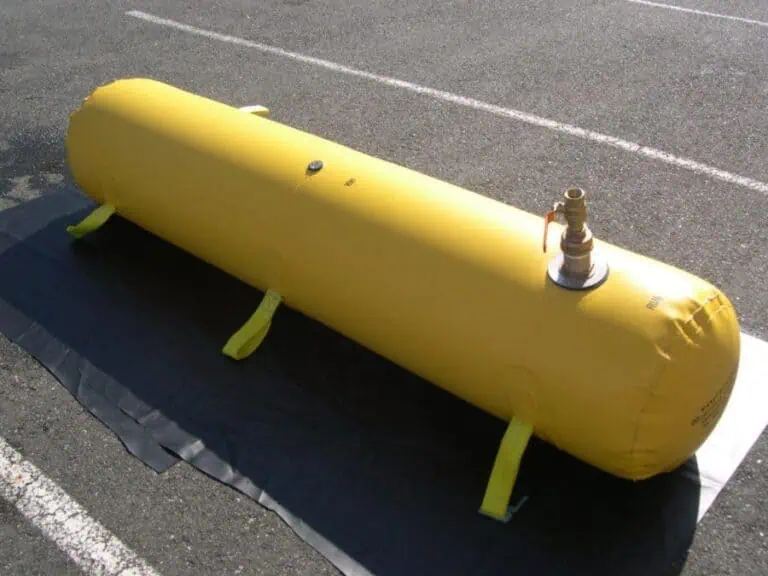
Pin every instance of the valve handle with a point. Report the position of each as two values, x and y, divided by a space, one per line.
550 216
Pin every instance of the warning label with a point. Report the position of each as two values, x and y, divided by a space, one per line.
714 407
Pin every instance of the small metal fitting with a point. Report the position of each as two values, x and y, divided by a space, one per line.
577 266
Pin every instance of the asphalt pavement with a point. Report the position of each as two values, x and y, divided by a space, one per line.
691 85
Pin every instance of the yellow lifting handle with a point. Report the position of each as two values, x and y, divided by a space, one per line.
92 222
504 473
256 110
245 341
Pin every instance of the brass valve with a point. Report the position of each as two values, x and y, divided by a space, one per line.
577 266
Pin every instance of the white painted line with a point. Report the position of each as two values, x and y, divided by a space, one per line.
553 125
95 550
699 12
743 421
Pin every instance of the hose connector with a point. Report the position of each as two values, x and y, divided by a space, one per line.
577 266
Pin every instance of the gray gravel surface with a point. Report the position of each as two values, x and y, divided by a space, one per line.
693 86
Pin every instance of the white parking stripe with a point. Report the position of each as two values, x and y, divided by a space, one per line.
91 546
699 12
518 115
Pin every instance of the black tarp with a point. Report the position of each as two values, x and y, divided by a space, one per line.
377 469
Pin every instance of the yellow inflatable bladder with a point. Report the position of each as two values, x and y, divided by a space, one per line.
621 361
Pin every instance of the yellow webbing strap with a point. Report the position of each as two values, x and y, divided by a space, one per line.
256 110
505 468
245 341
93 221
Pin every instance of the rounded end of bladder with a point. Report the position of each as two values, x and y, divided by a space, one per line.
700 357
